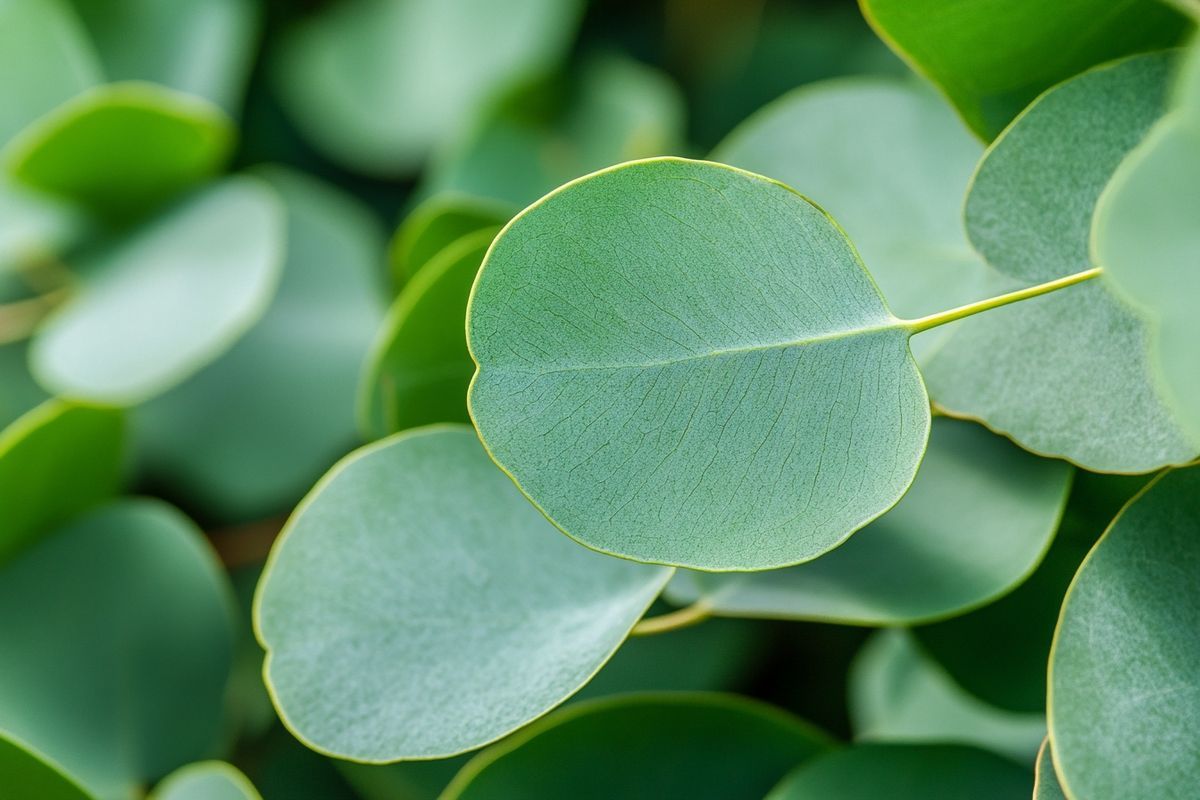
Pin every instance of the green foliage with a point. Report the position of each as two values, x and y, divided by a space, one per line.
29 773
208 780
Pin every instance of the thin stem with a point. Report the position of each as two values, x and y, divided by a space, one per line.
941 318
680 618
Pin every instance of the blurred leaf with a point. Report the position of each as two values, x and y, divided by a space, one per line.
202 47
45 58
408 780
35 227
993 57
906 772
1124 698
56 461
117 633
614 110
898 693
644 746
1064 375
1045 782
18 391
166 298
122 149
419 367
376 84
248 434
630 343
975 523
287 770
206 780
25 773
889 161
434 225
407 561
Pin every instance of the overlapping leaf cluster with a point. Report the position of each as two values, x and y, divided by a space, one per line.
886 390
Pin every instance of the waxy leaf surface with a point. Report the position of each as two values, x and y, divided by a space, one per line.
207 780
1045 781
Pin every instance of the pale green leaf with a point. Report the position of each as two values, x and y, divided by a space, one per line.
25 773
18 391
1045 782
35 227
206 780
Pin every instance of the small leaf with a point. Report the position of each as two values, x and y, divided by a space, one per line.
974 524
36 226
644 747
56 461
992 58
122 149
167 298
434 225
419 368
1124 691
1045 782
26 773
206 780
672 384
117 634
906 772
409 560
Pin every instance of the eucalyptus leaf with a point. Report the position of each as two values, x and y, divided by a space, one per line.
974 524
411 558
122 149
55 462
906 772
26 773
644 746
206 780
117 632
286 388
36 227
376 84
671 383
992 57
1124 697
166 298
18 391
1045 782
1065 375
898 693
419 368
434 225
890 161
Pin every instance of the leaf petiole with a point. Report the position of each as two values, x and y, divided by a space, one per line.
672 621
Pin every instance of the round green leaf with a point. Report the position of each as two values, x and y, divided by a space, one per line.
436 224
1068 374
46 59
26 773
644 746
898 693
992 57
55 461
906 772
286 388
975 523
117 633
167 298
207 780
409 560
1124 699
671 383
1045 781
122 149
419 368
377 84
889 161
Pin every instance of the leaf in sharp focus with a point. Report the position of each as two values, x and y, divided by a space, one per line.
992 57
376 84
206 780
889 160
411 558
46 59
613 110
898 693
419 368
975 523
906 772
202 47
671 383
127 596
167 297
1066 375
286 389
26 773
435 224
55 462
644 747
1045 780
122 149
1124 698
